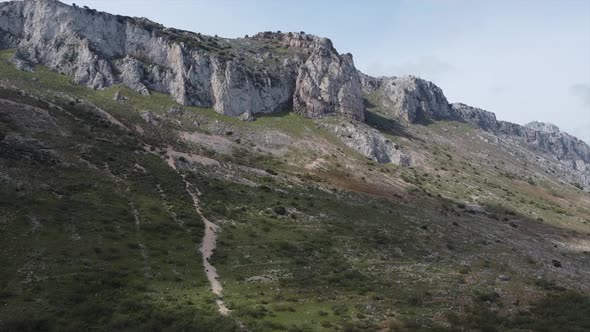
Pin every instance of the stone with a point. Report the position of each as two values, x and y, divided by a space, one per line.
369 142
21 64
119 96
151 118
543 127
175 112
247 117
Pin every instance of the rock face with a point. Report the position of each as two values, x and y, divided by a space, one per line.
369 142
540 136
543 127
413 100
409 98
267 73
476 116
328 82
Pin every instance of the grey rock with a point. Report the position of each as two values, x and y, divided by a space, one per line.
151 118
247 117
573 153
175 112
580 165
98 50
369 142
476 116
119 96
328 83
132 74
21 64
408 98
543 127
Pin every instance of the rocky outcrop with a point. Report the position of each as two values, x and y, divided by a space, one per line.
267 73
476 116
408 98
327 83
543 127
151 118
131 73
369 142
247 117
413 100
546 138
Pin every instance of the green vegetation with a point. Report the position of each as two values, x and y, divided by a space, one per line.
100 233
74 256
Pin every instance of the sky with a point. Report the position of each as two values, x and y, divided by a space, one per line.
524 60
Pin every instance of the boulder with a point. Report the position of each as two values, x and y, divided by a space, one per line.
247 117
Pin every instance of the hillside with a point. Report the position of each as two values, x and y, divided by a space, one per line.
155 179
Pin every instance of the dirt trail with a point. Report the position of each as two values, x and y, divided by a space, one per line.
207 247
208 244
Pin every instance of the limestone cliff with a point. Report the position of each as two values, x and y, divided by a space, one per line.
409 98
266 73
413 100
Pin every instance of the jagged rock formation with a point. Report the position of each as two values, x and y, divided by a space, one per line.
263 74
476 116
546 138
266 73
328 80
407 98
542 126
411 100
369 142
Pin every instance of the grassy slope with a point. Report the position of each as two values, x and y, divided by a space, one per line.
291 256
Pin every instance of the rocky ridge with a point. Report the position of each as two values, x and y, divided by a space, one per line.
268 72
544 137
410 99
262 74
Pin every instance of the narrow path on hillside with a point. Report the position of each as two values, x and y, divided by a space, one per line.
207 245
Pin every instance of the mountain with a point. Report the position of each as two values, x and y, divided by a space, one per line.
160 179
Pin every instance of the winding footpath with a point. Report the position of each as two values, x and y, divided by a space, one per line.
207 245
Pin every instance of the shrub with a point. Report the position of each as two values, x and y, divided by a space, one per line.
280 210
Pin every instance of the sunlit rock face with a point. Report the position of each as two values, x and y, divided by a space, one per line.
267 73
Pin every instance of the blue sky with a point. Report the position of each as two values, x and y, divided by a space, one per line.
522 59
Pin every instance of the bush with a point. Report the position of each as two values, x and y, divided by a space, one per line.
280 210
